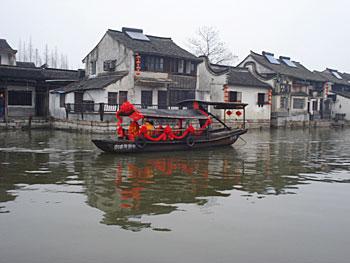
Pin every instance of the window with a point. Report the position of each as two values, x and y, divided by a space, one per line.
93 67
188 67
123 97
235 96
109 65
261 99
0 60
146 98
62 100
152 63
193 68
180 66
112 98
19 98
314 105
298 103
160 64
284 103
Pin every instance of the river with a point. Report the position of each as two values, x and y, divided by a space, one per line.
276 196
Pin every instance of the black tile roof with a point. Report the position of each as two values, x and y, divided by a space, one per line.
346 76
299 72
25 64
160 46
4 46
14 72
328 76
218 69
99 82
60 74
28 73
345 94
243 77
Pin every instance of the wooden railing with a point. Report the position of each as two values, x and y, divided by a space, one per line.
101 109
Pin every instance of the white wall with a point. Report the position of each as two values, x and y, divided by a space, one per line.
342 105
259 68
54 107
209 85
7 58
110 49
250 96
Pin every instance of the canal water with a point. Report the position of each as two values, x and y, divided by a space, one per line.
278 196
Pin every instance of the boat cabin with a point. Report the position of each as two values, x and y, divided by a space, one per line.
188 127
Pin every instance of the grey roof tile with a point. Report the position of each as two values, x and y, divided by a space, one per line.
156 46
99 82
4 46
243 77
328 76
299 72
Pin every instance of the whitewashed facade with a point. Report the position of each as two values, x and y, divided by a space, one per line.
297 92
157 72
224 84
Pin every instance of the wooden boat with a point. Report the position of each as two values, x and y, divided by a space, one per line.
180 129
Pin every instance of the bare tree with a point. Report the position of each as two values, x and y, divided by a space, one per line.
56 58
46 54
30 50
207 43
24 59
37 58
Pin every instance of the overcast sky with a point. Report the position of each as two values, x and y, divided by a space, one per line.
315 33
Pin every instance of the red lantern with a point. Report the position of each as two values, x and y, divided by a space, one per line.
138 64
229 112
238 113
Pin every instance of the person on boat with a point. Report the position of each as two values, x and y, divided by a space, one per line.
149 126
133 130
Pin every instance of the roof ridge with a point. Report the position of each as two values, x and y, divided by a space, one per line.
169 38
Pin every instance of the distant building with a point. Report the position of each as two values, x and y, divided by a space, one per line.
297 92
233 84
338 92
24 88
129 65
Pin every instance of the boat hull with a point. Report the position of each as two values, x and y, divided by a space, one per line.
214 140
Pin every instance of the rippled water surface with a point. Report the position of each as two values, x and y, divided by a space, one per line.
283 196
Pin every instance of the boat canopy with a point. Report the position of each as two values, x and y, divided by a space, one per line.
217 105
127 109
173 114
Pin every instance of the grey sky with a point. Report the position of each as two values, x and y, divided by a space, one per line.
315 33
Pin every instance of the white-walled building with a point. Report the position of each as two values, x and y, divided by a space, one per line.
337 91
297 92
231 84
129 65
24 88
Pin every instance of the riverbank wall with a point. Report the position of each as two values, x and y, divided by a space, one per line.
109 127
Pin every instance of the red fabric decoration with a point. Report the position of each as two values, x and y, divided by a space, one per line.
126 109
238 113
229 112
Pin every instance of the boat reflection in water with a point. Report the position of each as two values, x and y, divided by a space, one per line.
153 184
